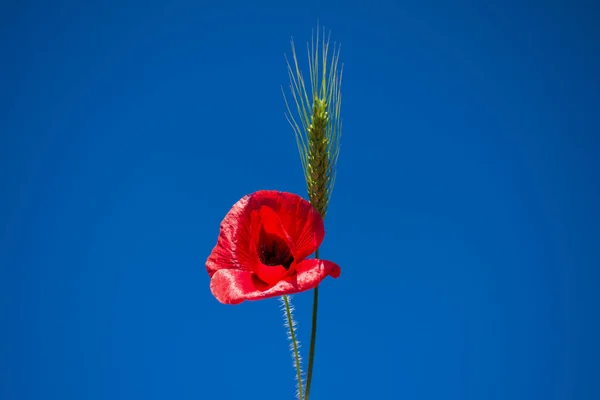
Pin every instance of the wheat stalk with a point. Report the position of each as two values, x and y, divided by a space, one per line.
318 128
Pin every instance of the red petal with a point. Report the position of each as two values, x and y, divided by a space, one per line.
300 220
271 223
230 286
310 272
270 274
235 248
234 286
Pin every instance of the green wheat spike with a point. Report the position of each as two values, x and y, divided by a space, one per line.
317 124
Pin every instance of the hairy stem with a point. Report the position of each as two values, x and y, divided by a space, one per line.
290 323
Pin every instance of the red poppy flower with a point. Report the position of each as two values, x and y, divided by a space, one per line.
262 249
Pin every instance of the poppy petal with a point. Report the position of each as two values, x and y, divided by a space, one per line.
232 286
234 249
271 223
300 220
310 272
270 274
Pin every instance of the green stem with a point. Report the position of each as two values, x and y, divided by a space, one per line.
313 336
290 320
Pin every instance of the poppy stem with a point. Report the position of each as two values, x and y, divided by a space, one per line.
313 337
290 323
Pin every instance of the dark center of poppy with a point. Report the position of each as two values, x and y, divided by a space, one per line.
272 251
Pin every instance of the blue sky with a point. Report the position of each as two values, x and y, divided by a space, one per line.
464 215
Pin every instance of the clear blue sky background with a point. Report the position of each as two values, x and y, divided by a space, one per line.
465 215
